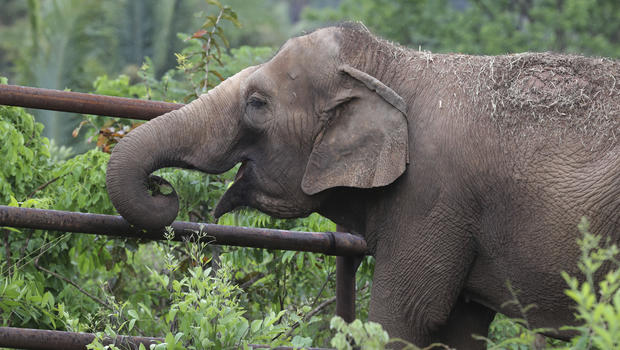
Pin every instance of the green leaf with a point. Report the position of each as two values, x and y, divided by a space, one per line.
256 325
131 324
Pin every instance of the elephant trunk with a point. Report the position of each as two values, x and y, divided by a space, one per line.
197 136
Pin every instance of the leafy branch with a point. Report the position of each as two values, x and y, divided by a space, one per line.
197 59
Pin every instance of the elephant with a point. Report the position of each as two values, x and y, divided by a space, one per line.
461 172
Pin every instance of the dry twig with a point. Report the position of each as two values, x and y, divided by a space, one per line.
98 300
43 186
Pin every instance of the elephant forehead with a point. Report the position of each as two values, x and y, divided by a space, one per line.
323 43
308 58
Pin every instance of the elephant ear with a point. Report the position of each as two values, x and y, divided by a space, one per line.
364 142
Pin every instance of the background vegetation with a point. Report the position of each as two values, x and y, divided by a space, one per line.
224 297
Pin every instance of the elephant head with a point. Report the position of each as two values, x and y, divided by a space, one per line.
303 123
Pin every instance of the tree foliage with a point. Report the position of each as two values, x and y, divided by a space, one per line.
487 27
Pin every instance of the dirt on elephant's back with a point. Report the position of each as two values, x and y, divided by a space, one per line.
561 93
566 95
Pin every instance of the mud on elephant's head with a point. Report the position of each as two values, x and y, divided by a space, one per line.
302 123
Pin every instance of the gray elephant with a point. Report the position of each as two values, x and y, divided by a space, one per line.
461 172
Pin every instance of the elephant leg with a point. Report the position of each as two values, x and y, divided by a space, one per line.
415 288
466 318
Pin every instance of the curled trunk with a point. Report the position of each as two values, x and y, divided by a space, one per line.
197 136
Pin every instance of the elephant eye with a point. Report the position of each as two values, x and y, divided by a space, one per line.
256 102
257 112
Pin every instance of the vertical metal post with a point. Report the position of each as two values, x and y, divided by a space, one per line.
346 266
345 287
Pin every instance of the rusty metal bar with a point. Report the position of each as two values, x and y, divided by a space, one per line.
38 339
346 267
78 102
331 243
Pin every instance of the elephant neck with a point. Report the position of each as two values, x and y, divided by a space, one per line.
347 207
396 66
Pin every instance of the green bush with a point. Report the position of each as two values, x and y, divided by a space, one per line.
369 335
23 151
598 305
197 309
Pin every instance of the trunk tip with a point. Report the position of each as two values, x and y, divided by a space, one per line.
154 208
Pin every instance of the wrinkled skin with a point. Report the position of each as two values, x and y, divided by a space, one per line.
455 192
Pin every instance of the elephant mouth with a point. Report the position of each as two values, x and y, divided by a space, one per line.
237 195
242 170
249 190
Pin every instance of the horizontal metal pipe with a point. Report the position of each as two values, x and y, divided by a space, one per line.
39 339
78 102
331 243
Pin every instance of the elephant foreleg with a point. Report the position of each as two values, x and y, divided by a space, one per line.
417 304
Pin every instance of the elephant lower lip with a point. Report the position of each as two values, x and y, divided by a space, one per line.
241 171
236 195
